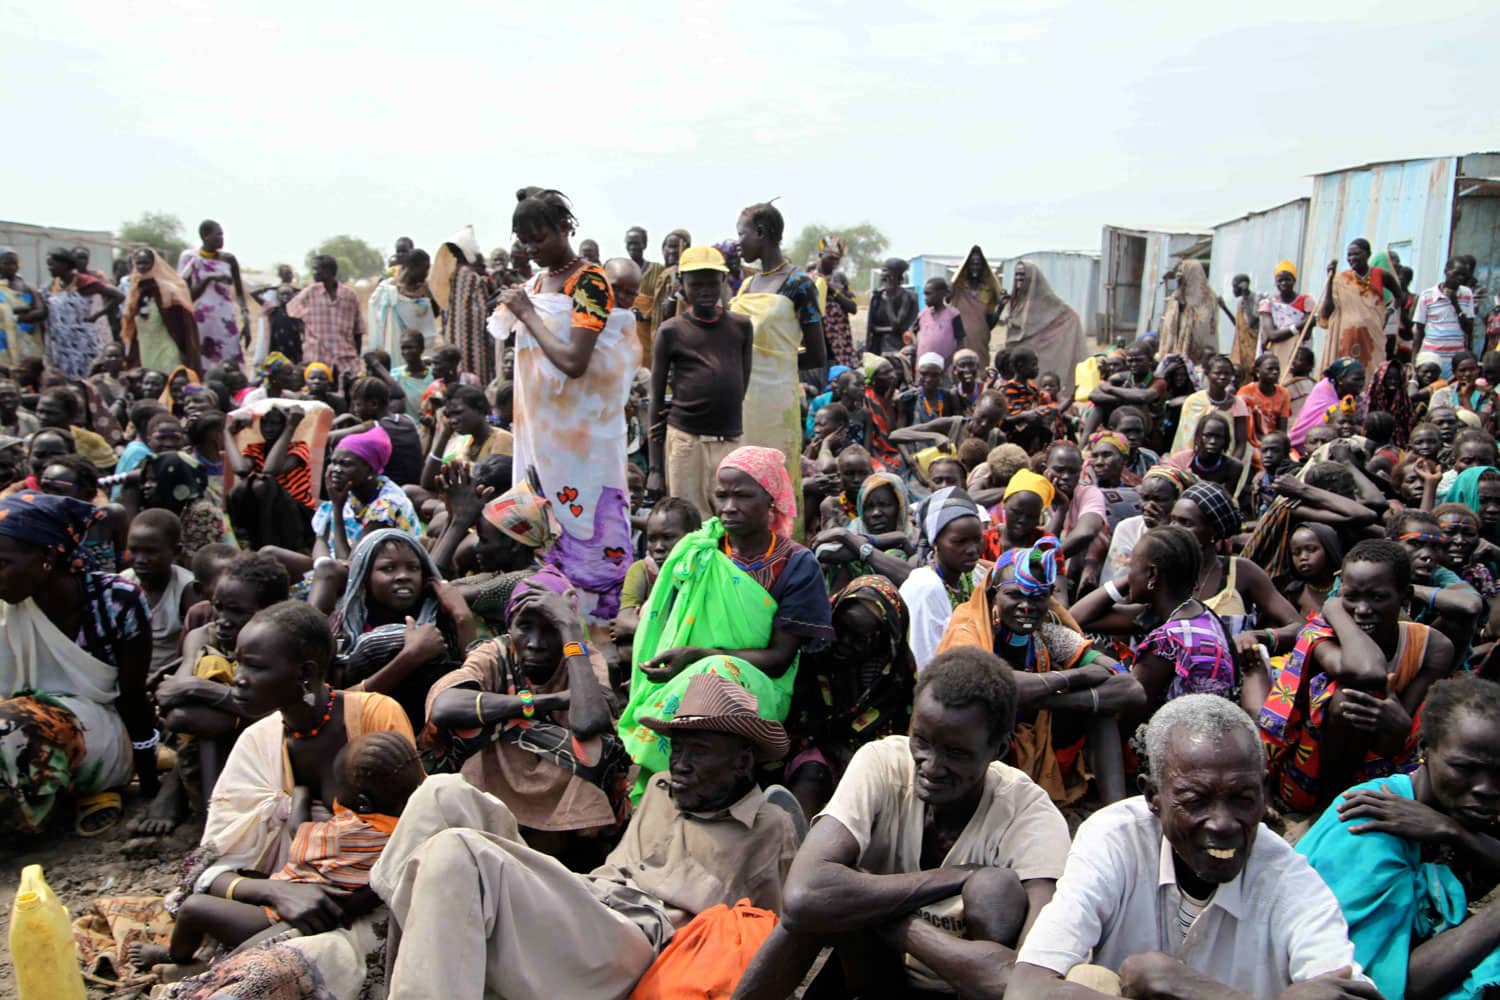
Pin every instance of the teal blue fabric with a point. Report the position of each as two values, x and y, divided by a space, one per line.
1392 900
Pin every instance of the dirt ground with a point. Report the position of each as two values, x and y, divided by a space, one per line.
80 870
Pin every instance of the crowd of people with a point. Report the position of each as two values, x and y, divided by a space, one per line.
927 647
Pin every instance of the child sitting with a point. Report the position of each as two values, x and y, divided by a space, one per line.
669 521
154 543
375 775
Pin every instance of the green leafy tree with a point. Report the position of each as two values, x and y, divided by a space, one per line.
159 231
867 246
357 259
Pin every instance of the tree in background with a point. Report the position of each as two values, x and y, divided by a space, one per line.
159 231
867 246
357 259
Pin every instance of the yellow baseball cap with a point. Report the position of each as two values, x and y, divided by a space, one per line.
702 259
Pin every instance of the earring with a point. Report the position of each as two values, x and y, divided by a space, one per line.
309 698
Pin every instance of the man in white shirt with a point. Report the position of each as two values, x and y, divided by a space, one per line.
932 857
1444 317
1184 893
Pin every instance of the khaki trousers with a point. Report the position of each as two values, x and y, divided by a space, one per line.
693 466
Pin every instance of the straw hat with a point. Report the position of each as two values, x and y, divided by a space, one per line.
713 704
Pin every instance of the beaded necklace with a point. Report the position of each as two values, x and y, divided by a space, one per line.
315 730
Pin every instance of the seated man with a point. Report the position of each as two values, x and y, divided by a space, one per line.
1183 892
476 907
932 857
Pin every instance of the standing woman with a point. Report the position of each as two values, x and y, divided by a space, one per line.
1283 314
461 291
1354 308
574 363
978 297
28 308
158 328
1040 320
783 307
1189 323
213 276
72 338
74 651
404 304
835 300
893 310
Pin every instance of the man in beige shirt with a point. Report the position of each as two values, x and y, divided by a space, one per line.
932 858
478 913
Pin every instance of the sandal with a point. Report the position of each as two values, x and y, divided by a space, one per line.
107 805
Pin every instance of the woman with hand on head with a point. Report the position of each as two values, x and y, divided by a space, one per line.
527 718
737 597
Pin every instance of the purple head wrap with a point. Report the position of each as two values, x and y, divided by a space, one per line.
372 446
546 578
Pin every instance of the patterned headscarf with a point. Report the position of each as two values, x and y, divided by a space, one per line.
54 522
767 466
874 482
1216 506
274 362
546 578
1035 568
833 242
881 596
1180 479
949 504
520 513
1114 439
1343 407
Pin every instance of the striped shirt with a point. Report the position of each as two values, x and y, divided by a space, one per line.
297 480
338 852
1443 334
330 325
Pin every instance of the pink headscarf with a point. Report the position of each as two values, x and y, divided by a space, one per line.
767 466
372 446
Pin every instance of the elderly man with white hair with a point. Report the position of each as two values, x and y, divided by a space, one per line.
1183 892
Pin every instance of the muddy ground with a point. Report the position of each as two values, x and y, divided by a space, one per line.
82 869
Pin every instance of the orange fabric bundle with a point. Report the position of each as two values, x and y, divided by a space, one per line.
707 957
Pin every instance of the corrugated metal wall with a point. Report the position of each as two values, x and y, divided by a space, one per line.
33 243
1073 275
1253 245
1405 206
1120 283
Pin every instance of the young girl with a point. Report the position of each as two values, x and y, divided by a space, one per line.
399 626
939 328
1316 555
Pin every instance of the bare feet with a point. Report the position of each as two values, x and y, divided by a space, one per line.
143 956
166 811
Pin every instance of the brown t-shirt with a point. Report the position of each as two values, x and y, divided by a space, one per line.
707 373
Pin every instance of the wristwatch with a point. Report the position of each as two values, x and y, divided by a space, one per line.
864 551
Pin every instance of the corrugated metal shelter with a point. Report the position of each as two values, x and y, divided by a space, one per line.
1073 275
931 265
33 243
1132 268
1254 244
1424 210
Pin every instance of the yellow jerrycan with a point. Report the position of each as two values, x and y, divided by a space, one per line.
41 942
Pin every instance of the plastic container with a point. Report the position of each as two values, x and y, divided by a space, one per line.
41 942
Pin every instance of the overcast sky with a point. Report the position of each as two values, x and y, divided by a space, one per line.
1020 126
